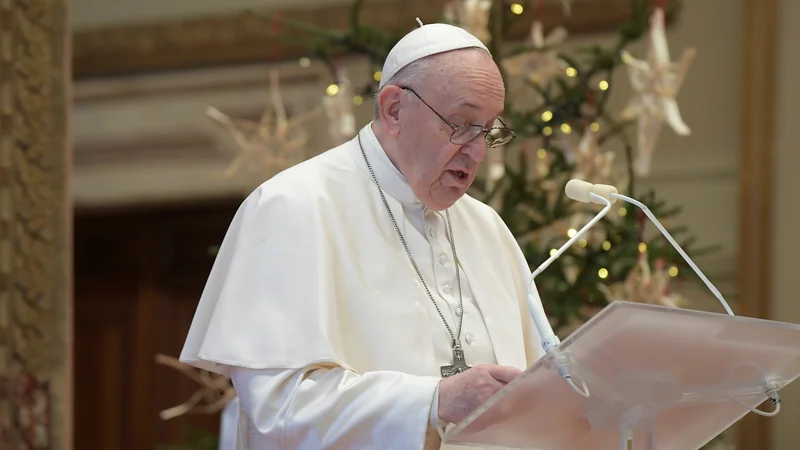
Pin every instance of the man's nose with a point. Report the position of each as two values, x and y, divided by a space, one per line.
476 149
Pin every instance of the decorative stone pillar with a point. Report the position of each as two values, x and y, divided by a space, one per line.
35 226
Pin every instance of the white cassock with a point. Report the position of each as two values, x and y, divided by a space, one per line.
316 313
228 425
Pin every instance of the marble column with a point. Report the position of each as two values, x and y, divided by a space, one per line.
35 226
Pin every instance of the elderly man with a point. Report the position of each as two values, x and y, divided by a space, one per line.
361 300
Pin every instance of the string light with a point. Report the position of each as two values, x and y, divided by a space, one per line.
594 126
673 271
547 115
606 245
626 58
516 8
565 128
332 90
377 75
602 273
622 211
572 72
572 232
541 153
305 62
582 243
357 100
547 131
553 251
603 85
642 247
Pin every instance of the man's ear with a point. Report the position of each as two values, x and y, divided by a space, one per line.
389 108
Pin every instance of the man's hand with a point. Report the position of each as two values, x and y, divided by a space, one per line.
461 394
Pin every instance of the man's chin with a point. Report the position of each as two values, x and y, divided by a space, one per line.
445 200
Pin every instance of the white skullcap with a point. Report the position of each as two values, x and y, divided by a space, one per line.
425 41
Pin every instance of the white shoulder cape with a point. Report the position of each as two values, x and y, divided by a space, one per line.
311 272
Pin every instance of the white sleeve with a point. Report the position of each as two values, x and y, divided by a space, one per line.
335 408
434 419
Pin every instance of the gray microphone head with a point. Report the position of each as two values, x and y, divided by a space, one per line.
579 190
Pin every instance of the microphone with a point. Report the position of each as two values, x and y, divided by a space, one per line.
606 195
580 191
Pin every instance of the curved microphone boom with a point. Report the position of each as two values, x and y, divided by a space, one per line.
583 192
606 195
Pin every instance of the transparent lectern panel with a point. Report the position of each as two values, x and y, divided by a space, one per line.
651 369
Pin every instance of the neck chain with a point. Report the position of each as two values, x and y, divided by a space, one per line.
459 364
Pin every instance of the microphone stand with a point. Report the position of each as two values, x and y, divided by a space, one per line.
606 195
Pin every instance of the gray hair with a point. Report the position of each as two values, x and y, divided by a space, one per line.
411 75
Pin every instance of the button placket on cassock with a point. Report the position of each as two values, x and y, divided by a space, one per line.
427 237
474 335
445 282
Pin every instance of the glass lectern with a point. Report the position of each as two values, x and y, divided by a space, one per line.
656 378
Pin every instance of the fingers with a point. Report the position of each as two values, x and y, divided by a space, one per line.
504 374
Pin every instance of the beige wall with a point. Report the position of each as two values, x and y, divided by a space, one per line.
786 243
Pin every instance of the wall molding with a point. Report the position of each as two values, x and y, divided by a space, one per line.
250 37
36 326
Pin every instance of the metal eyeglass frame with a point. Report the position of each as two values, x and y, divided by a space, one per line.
457 128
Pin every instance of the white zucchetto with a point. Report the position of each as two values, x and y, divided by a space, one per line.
425 41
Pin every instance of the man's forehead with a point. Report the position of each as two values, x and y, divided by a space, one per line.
471 96
468 104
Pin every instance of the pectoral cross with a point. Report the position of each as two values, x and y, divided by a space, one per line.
459 363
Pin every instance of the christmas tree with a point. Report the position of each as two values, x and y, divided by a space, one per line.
557 103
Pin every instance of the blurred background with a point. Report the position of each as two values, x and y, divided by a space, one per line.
119 181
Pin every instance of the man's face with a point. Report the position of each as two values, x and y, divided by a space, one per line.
467 89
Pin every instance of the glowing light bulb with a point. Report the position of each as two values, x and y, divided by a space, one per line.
357 100
582 243
622 211
547 131
553 251
572 232
547 115
377 75
565 128
571 72
602 273
673 271
594 126
541 153
606 245
642 247
332 90
603 85
516 8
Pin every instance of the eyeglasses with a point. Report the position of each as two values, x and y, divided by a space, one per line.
464 134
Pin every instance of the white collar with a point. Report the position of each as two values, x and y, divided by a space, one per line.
389 177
